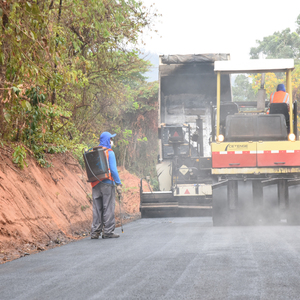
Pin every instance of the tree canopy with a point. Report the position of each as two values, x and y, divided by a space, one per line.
284 44
69 69
242 89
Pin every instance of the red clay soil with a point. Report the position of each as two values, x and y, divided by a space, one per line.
41 208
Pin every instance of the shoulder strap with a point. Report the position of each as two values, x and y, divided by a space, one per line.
106 149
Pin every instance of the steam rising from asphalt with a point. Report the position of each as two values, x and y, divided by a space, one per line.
248 206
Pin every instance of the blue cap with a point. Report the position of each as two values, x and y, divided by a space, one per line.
105 139
280 87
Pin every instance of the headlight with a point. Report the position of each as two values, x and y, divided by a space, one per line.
221 138
292 137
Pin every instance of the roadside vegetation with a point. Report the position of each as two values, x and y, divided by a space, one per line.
71 69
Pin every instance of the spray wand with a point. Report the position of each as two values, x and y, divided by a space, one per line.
120 211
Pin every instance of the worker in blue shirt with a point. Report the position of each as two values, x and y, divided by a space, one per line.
104 194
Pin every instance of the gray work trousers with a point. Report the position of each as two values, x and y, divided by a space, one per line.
104 196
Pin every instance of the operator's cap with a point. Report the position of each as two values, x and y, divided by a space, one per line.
280 87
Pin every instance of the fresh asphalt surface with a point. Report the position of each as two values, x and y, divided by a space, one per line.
173 258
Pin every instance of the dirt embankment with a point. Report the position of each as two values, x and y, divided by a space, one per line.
41 208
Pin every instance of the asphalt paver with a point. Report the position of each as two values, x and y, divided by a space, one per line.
172 258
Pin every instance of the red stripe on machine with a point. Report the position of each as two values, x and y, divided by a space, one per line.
257 152
233 159
262 158
284 158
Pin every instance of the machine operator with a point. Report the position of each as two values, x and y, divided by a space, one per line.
280 96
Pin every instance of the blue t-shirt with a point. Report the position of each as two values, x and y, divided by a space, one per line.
113 169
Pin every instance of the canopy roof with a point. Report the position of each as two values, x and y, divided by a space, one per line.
193 58
254 66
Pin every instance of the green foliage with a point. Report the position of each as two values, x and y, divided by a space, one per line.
154 183
43 162
33 118
144 139
84 207
70 71
284 44
298 23
56 149
137 149
77 151
19 156
242 89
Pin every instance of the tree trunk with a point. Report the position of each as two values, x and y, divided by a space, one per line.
53 98
4 49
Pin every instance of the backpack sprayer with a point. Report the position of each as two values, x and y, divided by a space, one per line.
97 167
96 164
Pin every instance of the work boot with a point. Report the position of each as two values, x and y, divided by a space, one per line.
109 235
95 236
